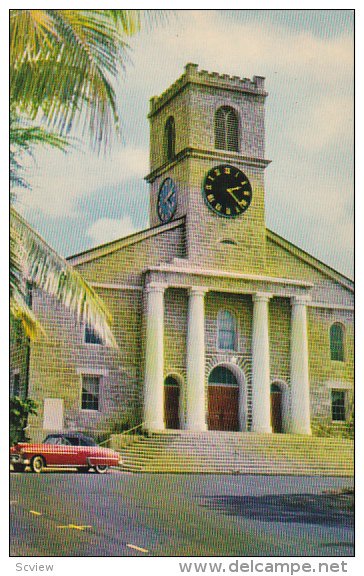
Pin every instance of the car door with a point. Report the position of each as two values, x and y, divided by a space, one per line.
65 453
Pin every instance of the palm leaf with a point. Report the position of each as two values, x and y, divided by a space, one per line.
46 270
63 62
21 311
23 137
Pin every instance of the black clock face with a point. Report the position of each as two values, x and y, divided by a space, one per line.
227 191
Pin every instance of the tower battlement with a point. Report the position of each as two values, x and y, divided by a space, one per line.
202 77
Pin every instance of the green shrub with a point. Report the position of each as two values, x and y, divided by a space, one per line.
19 412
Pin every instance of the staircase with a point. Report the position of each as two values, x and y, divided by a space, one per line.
236 453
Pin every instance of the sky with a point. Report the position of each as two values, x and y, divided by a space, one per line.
79 200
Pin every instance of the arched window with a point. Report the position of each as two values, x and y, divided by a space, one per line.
170 138
223 377
226 129
226 331
337 342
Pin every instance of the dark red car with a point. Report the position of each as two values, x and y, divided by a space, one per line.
73 450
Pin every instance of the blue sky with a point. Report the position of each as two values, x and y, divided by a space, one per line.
79 200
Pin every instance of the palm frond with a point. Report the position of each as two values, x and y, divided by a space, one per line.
21 311
23 138
63 62
45 269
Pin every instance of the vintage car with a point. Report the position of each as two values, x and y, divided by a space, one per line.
73 450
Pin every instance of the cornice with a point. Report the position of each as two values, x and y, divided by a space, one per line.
223 156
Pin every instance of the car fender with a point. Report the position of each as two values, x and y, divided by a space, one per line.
100 461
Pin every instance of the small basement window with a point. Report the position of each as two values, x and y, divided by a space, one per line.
338 405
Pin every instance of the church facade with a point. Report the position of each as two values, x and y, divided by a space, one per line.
221 324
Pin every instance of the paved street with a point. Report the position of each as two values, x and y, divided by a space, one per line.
121 514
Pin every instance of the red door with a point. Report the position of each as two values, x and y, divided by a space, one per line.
171 407
223 407
276 410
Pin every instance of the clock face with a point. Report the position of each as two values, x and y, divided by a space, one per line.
167 200
227 191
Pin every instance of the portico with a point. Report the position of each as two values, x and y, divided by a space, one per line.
196 399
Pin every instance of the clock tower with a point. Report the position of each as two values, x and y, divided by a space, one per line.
207 164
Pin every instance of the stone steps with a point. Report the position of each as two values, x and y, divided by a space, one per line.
232 452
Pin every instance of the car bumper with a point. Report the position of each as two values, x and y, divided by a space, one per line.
19 459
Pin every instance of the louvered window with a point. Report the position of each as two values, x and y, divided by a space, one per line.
226 129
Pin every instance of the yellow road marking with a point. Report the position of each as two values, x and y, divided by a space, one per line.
74 527
137 548
35 512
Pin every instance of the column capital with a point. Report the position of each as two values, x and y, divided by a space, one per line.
198 290
262 297
300 300
156 287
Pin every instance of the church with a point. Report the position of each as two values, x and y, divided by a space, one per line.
221 324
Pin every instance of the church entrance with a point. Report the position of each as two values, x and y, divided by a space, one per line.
276 408
171 403
223 400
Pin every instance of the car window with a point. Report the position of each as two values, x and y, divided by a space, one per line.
65 442
73 440
51 440
87 442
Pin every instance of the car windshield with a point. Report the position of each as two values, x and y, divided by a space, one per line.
52 440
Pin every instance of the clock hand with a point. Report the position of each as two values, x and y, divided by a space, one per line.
231 192
233 189
169 195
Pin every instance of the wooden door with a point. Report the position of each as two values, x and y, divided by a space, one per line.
171 407
223 407
276 410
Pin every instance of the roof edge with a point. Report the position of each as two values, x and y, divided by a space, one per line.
114 245
312 260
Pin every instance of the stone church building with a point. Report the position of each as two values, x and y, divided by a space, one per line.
221 324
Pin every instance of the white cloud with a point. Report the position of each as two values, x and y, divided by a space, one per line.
328 120
59 181
109 229
243 48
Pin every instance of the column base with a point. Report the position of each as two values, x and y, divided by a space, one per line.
196 427
300 430
261 430
155 426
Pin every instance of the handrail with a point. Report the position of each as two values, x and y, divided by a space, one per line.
124 433
131 429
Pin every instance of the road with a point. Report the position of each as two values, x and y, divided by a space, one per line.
121 514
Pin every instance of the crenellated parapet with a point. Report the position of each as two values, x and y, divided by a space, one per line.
202 77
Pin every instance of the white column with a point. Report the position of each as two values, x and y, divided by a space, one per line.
300 385
261 419
196 406
154 358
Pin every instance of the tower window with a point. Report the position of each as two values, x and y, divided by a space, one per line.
226 331
170 138
226 129
337 342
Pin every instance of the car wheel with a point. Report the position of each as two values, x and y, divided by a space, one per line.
37 464
19 467
101 469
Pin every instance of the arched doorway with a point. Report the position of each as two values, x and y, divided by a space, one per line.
171 403
223 400
276 408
